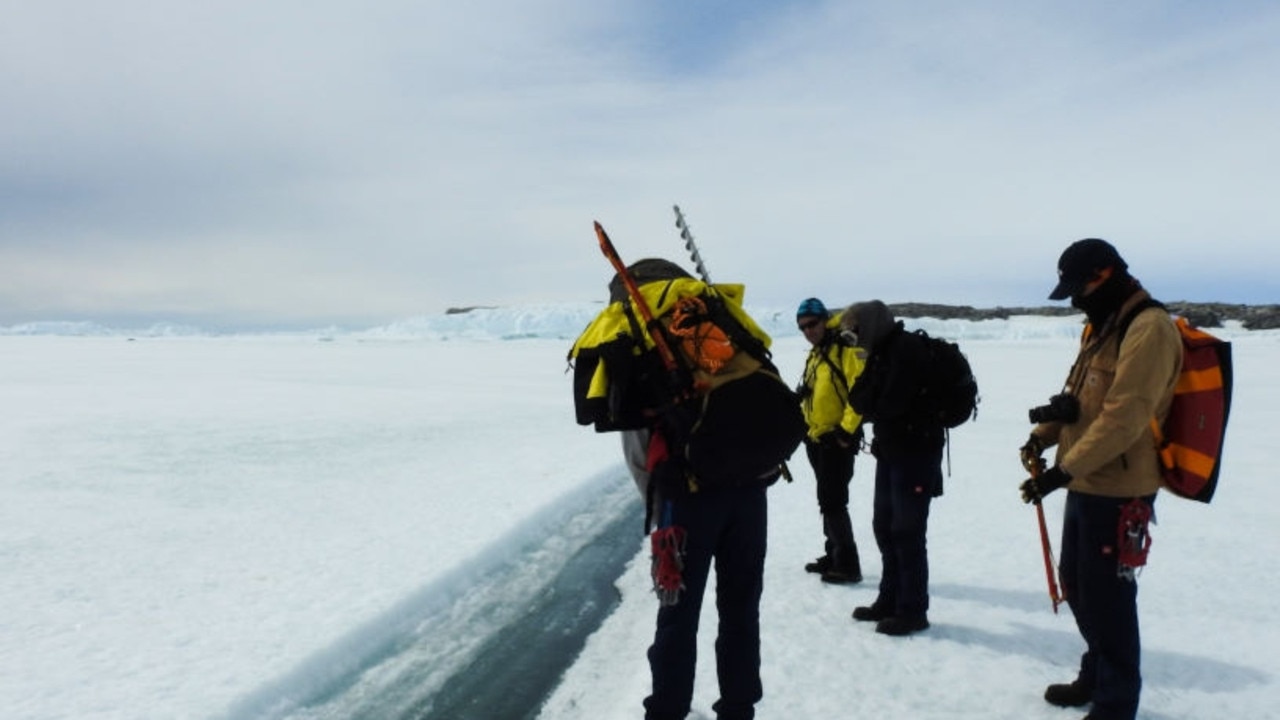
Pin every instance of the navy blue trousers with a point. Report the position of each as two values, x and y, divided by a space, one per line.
900 519
1105 605
729 527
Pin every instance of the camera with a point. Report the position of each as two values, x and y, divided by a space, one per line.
1062 407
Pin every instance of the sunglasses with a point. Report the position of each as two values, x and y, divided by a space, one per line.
850 336
809 324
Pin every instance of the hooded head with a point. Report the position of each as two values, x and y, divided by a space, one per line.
870 322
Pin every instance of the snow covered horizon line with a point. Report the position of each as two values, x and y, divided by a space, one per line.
559 322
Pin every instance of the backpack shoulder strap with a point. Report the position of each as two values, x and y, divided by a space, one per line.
739 335
842 382
1157 432
1127 320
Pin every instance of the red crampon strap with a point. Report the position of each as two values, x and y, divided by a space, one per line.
657 452
667 545
1132 538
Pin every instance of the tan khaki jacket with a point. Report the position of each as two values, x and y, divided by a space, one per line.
1110 451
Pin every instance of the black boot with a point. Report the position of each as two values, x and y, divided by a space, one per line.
902 625
1073 694
820 565
845 565
823 564
875 612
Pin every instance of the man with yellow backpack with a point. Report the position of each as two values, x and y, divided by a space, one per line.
684 373
833 438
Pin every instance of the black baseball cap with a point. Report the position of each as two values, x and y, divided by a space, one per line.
1079 263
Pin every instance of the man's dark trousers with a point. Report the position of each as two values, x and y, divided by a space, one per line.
905 485
729 525
1105 605
833 469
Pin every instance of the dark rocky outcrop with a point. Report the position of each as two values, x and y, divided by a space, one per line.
1200 314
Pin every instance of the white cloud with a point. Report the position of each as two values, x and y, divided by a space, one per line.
406 157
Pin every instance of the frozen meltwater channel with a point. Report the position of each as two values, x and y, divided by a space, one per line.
488 640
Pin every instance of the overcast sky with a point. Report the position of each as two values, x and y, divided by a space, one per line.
309 162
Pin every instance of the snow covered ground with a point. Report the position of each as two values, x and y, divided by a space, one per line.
223 526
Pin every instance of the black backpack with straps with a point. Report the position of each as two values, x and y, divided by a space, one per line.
951 391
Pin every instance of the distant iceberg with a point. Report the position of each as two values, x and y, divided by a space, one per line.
566 320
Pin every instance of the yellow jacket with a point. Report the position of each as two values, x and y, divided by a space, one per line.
825 400
662 296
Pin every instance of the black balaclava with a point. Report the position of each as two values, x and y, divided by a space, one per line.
1107 298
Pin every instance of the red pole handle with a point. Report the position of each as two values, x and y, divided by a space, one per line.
650 323
1049 575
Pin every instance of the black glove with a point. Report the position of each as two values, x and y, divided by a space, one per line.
1031 452
1035 488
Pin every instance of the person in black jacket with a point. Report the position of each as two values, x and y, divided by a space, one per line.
907 445
703 465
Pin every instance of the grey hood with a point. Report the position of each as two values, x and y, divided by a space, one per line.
872 320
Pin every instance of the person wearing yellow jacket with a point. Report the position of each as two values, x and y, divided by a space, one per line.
833 438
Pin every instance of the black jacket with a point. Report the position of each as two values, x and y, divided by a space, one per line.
888 395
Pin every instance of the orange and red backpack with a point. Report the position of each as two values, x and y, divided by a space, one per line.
1190 440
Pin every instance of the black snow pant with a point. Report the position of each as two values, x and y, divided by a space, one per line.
833 469
905 486
729 527
1104 603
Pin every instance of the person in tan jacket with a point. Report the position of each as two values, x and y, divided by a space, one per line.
1124 375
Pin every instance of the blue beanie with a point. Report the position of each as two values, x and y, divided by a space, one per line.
814 307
